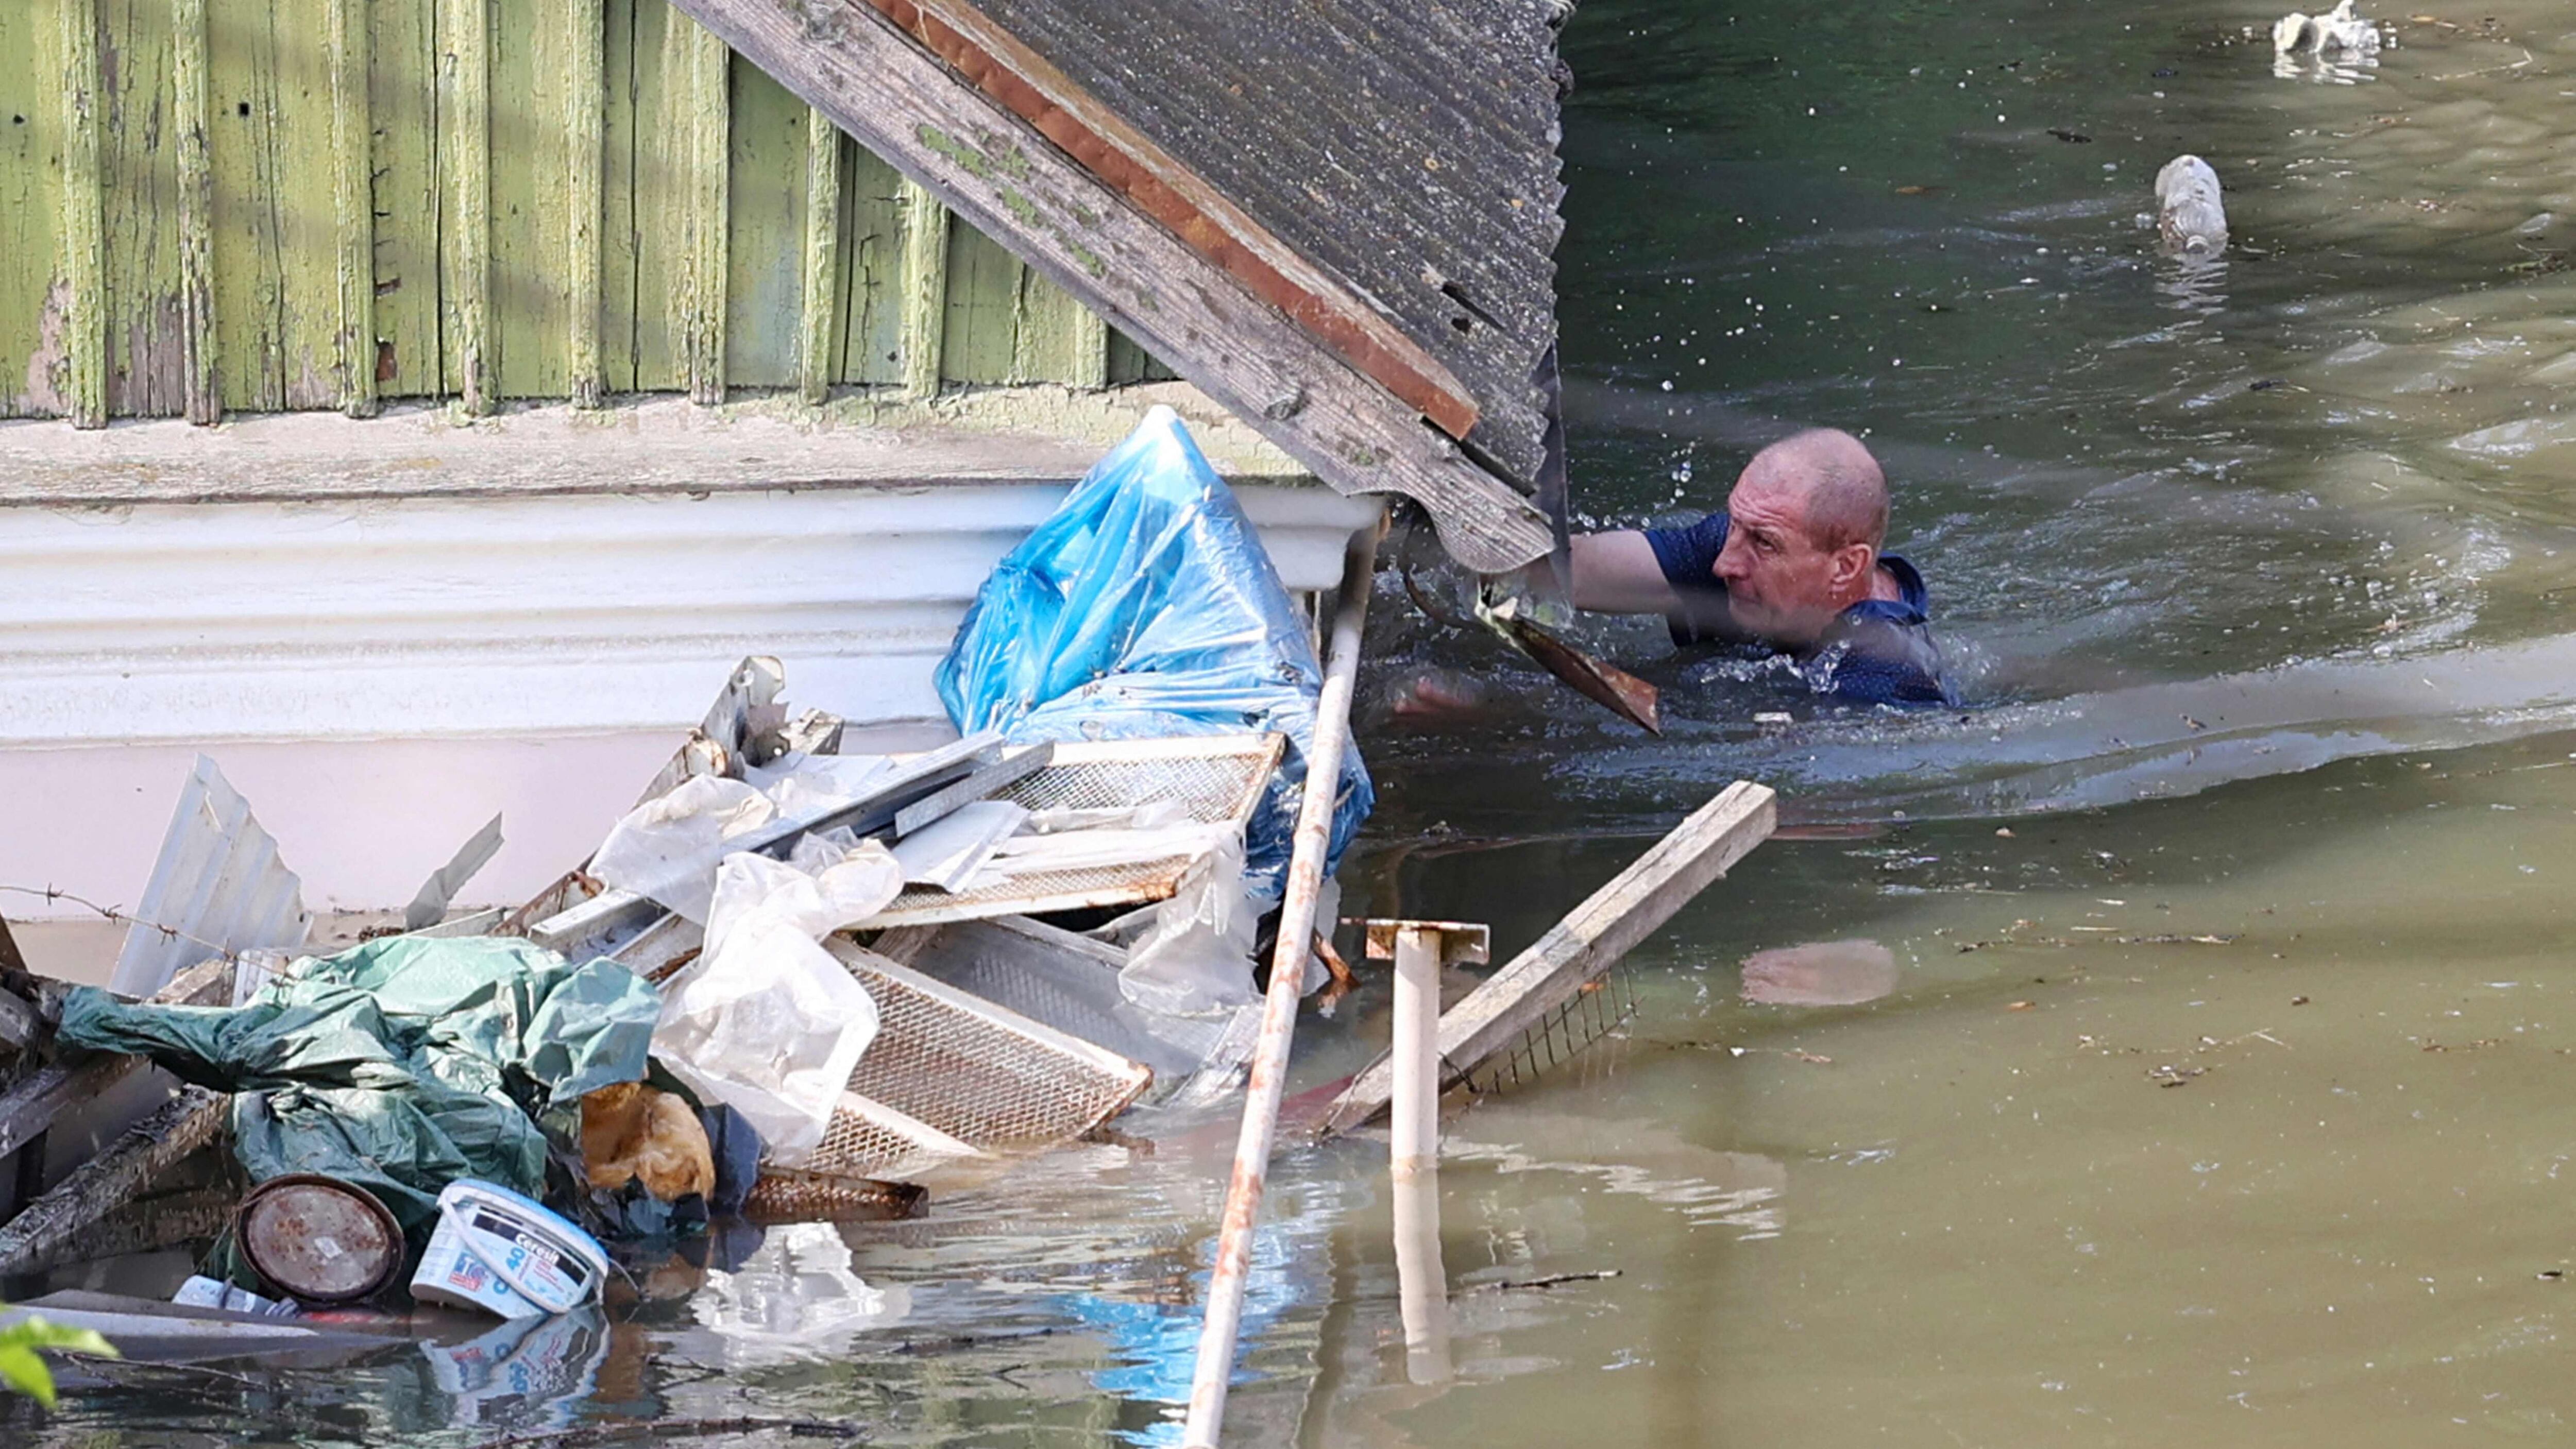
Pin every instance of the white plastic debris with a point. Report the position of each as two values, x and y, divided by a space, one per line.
2191 214
765 1020
1191 955
661 847
805 786
795 1300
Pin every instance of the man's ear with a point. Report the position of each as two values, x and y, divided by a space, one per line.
1852 563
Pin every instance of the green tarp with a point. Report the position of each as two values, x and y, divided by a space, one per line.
400 1066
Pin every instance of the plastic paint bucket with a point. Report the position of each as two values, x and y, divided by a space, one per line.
502 1253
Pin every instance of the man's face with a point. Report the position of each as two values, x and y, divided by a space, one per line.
1780 585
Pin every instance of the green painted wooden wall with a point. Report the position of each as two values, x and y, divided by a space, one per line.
212 206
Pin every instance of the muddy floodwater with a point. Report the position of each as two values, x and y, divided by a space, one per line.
2222 1090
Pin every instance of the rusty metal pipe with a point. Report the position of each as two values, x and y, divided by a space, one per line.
1279 1008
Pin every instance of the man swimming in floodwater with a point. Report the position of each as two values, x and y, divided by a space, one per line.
1790 566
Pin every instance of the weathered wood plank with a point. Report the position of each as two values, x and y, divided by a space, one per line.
146 1224
83 366
147 349
706 112
1160 186
978 343
117 1175
532 69
872 239
924 324
402 87
1088 365
818 330
767 172
201 387
30 1107
627 126
31 209
1589 941
585 125
1005 179
354 206
303 164
472 370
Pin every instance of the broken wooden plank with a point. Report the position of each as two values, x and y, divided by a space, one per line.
1589 941
30 1107
1005 178
145 1225
117 1175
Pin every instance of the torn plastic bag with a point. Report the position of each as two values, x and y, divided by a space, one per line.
1146 606
765 1021
661 848
1191 955
399 1066
803 786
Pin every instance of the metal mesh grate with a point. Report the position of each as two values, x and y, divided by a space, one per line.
1602 1005
1215 780
965 1067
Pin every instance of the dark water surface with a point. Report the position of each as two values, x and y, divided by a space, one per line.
2223 1096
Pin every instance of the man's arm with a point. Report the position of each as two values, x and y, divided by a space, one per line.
1617 573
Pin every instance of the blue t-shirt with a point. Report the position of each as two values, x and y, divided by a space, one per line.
1878 651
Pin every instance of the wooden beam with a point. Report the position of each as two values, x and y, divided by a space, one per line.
1009 181
84 275
30 1107
353 197
196 167
1161 186
1578 949
117 1175
924 322
821 309
707 132
144 1225
585 187
465 154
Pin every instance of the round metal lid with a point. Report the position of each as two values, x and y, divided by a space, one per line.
319 1240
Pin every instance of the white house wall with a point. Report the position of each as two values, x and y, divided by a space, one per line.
379 678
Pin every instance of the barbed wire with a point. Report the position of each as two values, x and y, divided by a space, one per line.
51 894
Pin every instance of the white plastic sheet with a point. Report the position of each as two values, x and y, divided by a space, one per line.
804 786
1191 955
661 847
765 1020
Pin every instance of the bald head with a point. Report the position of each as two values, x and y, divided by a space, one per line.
1842 492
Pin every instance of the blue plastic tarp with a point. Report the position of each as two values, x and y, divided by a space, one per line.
1146 606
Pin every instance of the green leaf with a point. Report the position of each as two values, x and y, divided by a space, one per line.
22 1370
